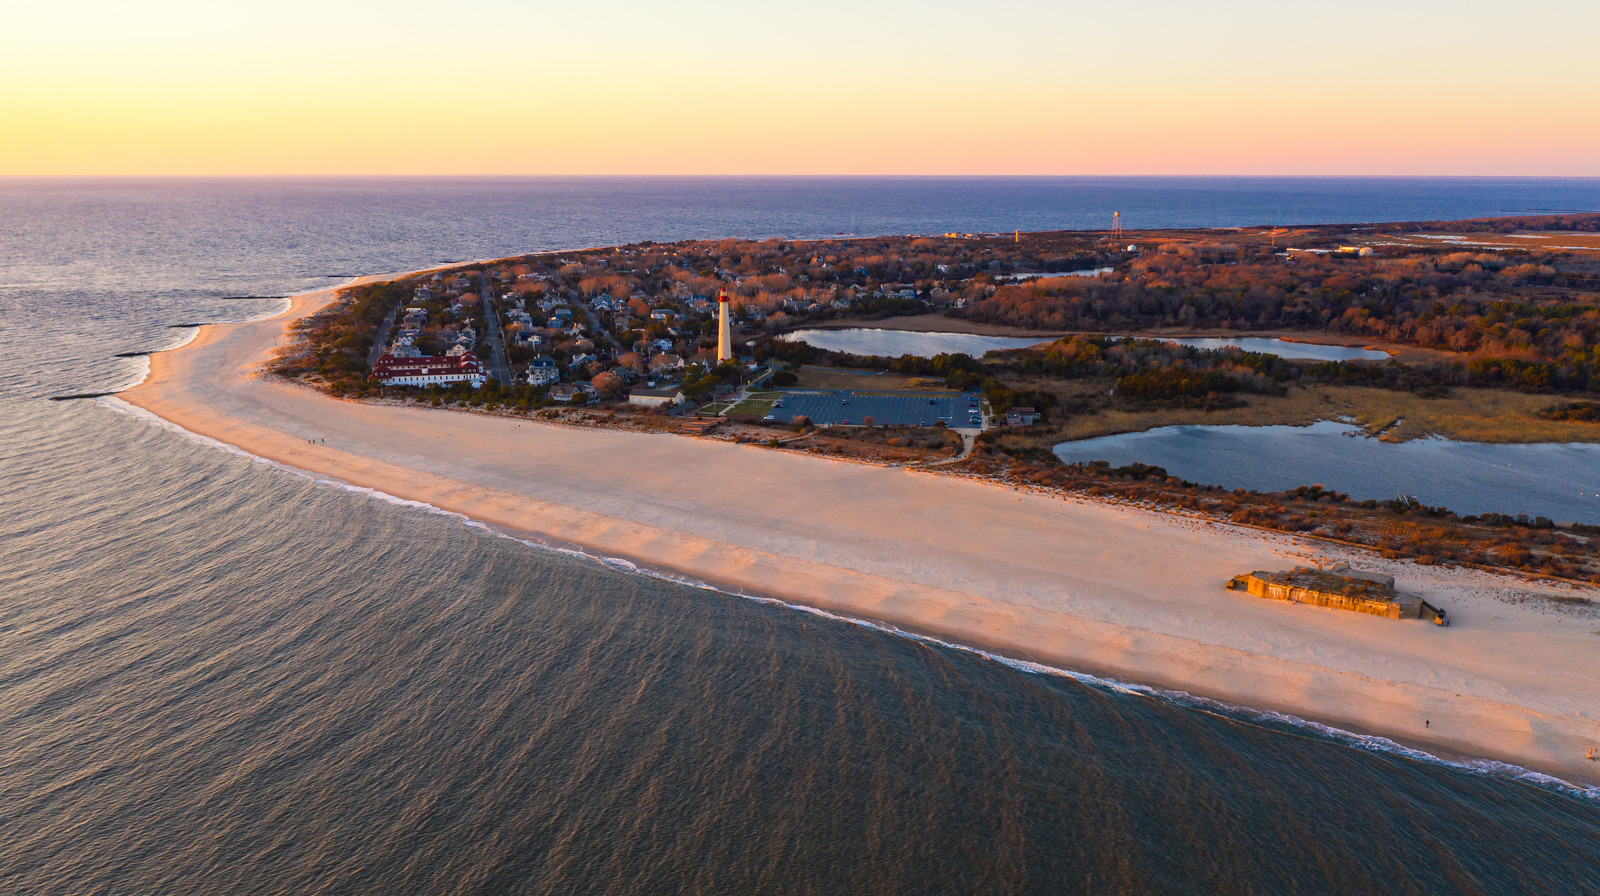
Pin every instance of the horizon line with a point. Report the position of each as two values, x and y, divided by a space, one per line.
793 176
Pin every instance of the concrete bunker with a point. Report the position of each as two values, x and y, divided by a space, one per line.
1339 588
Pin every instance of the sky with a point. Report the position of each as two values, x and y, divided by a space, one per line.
885 87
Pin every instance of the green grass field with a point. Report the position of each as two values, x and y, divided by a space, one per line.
877 381
757 406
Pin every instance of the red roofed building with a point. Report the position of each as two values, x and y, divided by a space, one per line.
425 371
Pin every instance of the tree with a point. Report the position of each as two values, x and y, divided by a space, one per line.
607 384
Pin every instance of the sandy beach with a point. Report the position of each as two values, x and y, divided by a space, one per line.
1075 584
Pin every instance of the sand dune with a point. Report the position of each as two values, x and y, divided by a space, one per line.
1077 584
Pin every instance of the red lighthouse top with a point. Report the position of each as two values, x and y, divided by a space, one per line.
722 296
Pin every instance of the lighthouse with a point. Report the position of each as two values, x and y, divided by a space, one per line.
724 328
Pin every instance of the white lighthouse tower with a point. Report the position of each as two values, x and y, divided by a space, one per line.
724 328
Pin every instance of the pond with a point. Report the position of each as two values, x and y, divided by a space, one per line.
1559 481
1085 272
894 343
1305 351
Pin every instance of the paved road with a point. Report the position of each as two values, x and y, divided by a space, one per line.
499 368
381 343
595 328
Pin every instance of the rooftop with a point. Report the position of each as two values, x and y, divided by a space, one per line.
1341 580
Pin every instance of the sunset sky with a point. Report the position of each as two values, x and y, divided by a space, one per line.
864 87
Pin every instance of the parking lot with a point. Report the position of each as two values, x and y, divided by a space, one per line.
954 409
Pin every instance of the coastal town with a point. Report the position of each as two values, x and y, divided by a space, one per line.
1480 329
635 328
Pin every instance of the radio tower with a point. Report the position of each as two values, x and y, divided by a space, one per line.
1116 227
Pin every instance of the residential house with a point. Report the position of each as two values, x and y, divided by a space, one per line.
655 396
665 363
566 392
542 371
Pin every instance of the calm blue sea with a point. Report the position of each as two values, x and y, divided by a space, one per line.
220 677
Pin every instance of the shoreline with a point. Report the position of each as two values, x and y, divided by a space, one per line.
1069 583
1416 749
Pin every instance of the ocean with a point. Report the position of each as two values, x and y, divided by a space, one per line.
219 676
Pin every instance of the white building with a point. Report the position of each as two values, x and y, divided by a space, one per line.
428 371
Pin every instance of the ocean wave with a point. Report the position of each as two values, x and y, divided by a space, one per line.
142 362
1369 742
190 334
286 303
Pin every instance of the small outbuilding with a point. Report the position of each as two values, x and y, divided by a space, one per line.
1021 417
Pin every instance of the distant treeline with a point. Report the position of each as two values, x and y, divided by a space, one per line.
1577 222
1531 319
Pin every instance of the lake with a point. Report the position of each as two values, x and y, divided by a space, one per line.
1303 351
1085 272
894 343
1559 481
